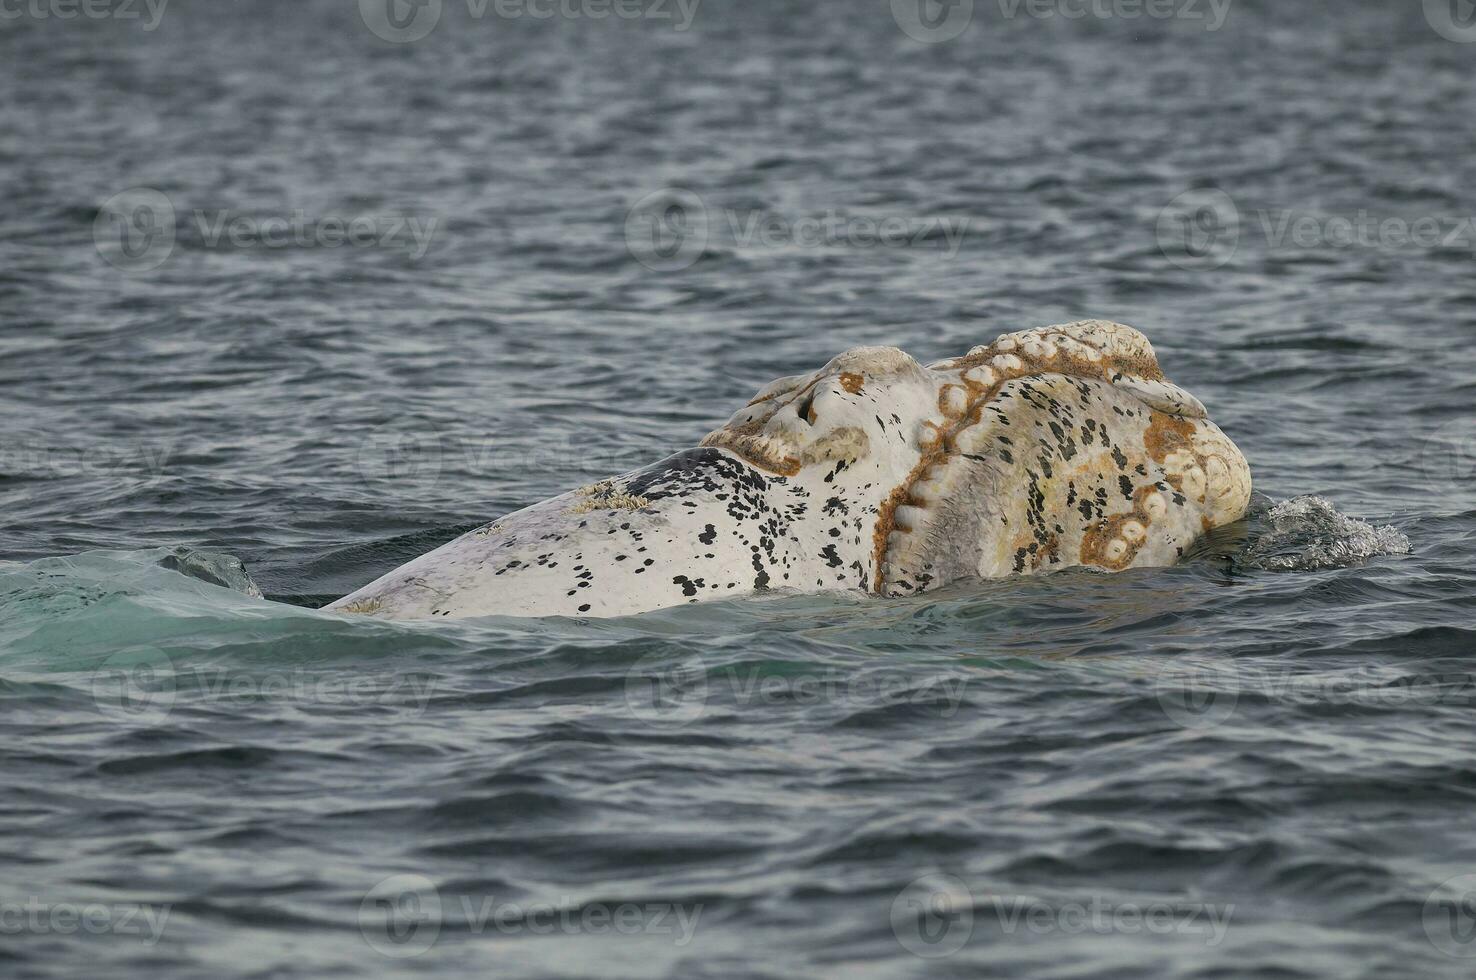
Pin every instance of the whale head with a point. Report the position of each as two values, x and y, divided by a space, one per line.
865 404
927 447
860 430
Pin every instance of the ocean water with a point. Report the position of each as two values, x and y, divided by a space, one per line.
1255 764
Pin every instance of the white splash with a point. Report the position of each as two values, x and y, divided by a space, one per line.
1308 533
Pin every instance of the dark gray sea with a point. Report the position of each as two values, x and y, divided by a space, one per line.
321 284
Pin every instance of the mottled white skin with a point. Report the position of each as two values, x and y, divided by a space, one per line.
1050 448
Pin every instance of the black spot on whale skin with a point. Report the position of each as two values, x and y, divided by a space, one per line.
761 579
708 535
684 473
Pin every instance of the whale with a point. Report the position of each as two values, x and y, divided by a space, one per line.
1050 448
